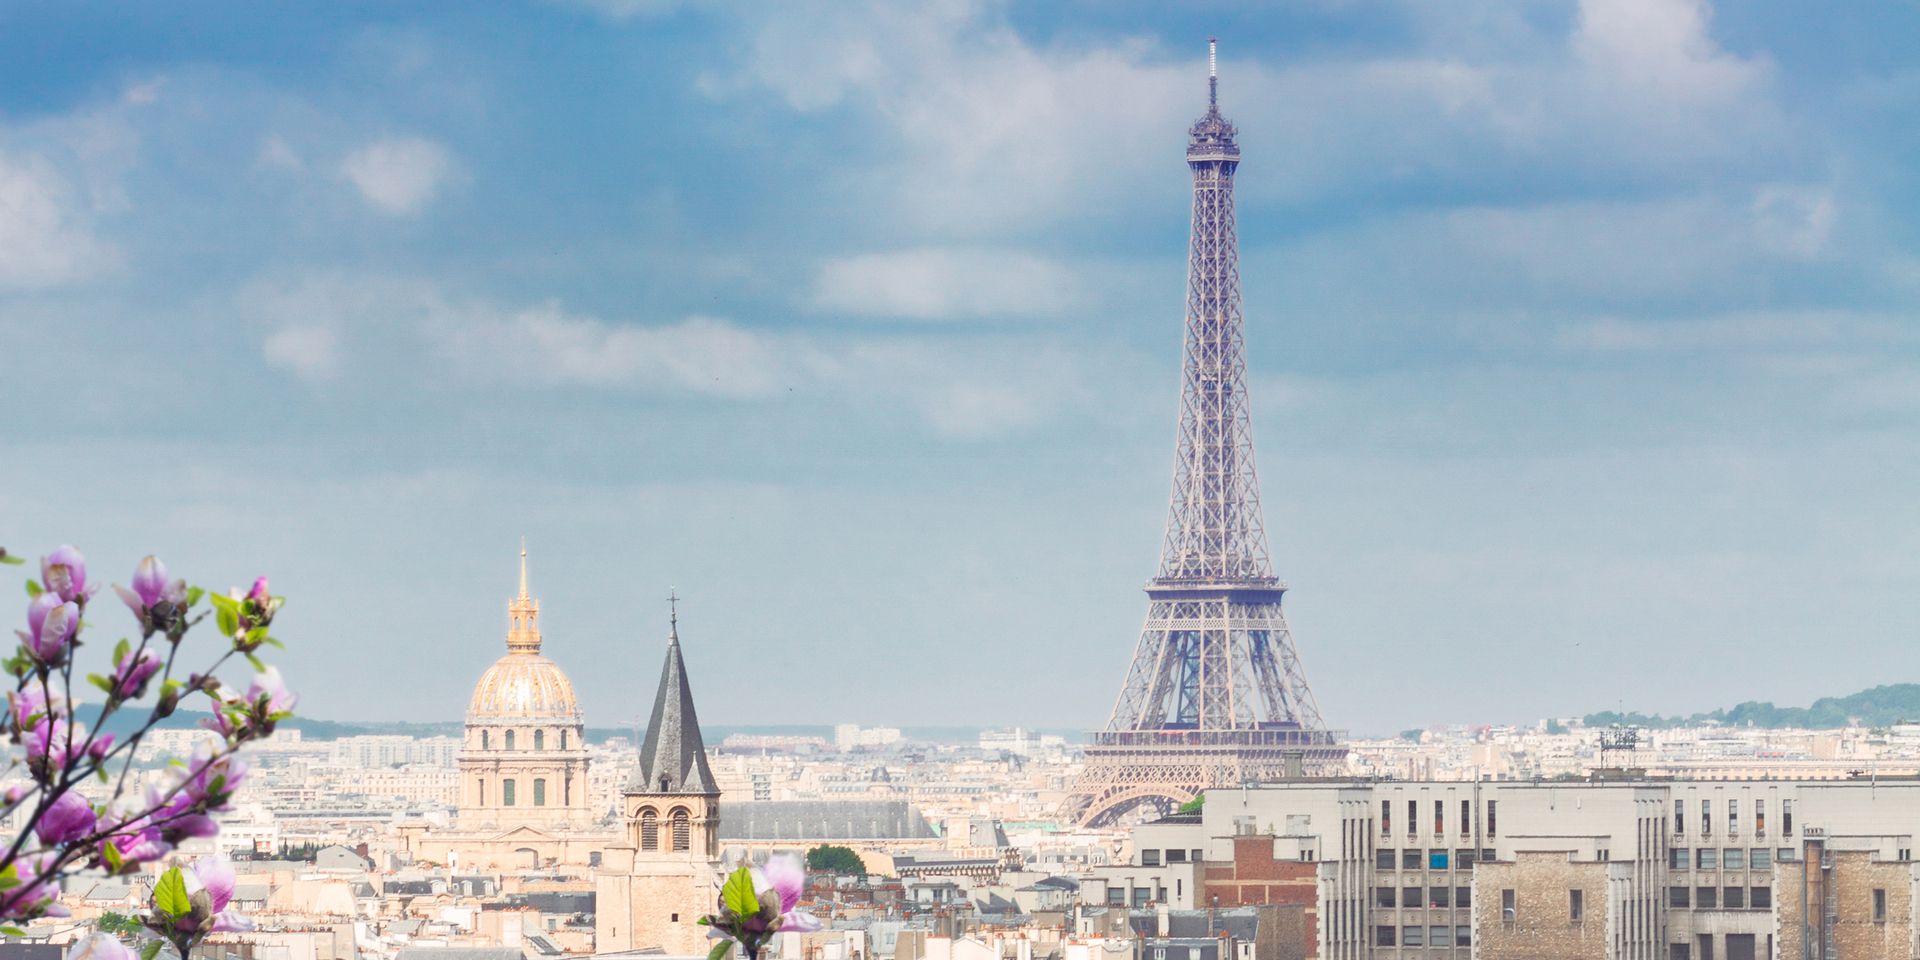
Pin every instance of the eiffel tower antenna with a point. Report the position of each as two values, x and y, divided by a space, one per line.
1216 696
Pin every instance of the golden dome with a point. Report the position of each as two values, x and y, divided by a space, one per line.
523 684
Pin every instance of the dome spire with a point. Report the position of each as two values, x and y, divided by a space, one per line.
1213 71
524 635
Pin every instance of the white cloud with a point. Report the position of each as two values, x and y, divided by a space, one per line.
699 355
1794 221
313 353
399 175
940 284
45 239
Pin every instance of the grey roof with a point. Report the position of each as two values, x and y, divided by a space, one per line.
824 820
460 953
673 759
544 944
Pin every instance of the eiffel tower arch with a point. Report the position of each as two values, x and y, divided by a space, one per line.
1216 695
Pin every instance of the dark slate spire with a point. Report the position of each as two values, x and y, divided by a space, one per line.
673 759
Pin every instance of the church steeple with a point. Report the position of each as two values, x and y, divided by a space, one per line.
673 760
524 635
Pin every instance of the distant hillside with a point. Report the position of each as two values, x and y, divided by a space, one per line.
1878 707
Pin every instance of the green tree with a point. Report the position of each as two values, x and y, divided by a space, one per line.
1194 805
837 860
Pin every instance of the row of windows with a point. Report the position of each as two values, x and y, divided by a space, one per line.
1151 858
1466 821
1732 858
509 795
1432 936
1461 897
539 740
1413 858
1733 818
680 833
1712 898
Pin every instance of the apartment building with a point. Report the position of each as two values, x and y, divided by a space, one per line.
1628 869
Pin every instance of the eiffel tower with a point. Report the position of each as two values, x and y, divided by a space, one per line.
1216 696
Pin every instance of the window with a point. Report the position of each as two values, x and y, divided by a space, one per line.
1463 936
509 739
1386 829
1462 897
1759 858
682 830
1466 813
483 793
1678 859
539 792
1413 936
1786 818
563 739
1438 936
1679 951
1760 897
1680 821
1487 855
1176 856
649 830
1491 832
1734 898
1439 896
539 739
1679 897
1149 858
1411 896
1706 945
483 741
1706 818
1706 898
1409 859
1760 818
1436 859
1879 906
1413 816
1194 855
1576 904
1116 896
1506 905
1784 855
1383 897
1734 858
1142 896
1707 858
1384 936
1463 858
1733 818
1383 859
506 793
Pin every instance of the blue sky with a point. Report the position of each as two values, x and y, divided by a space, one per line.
1583 337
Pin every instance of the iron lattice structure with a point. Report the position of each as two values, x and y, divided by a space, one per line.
1215 696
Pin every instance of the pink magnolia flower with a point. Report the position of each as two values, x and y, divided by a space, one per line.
150 583
131 671
67 819
102 745
784 874
48 740
64 572
213 777
35 897
52 623
259 592
100 946
217 876
31 701
267 683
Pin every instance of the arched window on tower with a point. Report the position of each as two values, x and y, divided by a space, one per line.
563 739
682 830
539 739
649 830
483 741
509 739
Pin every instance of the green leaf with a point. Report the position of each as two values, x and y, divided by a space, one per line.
33 588
120 650
258 666
275 643
101 772
151 950
170 894
719 951
11 560
99 681
112 851
193 595
229 620
12 931
738 894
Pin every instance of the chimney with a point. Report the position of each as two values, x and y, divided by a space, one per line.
1166 922
361 849
1294 768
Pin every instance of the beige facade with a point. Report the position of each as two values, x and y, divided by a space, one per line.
1552 898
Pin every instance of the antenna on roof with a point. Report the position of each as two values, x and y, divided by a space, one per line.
1213 71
